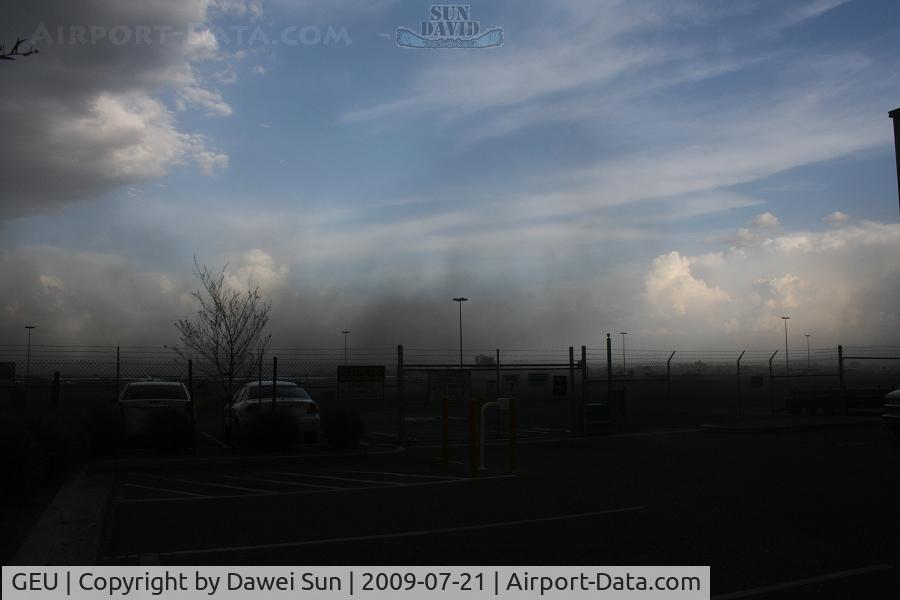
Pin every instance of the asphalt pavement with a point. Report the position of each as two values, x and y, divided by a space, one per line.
775 514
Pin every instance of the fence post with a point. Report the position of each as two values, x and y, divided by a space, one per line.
401 397
772 382
473 436
497 384
609 384
669 383
118 373
841 380
572 390
512 435
190 387
54 391
584 389
740 397
274 379
445 431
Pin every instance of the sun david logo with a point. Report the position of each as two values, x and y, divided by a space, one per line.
450 26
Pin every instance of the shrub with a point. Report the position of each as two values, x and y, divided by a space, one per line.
21 468
343 428
61 442
169 430
105 431
270 431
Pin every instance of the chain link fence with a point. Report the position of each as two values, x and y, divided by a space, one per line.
554 387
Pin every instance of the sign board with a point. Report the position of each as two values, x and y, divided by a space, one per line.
368 374
360 382
560 385
510 381
538 379
7 371
453 383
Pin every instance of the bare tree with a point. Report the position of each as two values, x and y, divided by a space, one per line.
11 54
227 333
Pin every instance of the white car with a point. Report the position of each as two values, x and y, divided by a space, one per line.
291 402
152 408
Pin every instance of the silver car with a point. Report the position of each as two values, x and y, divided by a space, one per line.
291 402
153 408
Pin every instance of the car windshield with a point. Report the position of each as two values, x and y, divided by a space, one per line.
157 391
284 391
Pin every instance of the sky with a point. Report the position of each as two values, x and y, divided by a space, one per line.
687 172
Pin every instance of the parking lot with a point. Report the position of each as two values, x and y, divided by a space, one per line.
775 515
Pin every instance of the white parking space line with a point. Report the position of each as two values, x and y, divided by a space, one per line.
766 589
214 438
332 477
382 486
208 484
403 534
165 490
569 438
867 443
280 481
392 474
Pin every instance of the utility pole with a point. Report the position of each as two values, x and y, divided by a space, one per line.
28 354
624 333
808 364
459 301
895 115
346 347
786 355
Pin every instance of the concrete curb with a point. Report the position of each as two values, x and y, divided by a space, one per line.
70 530
778 427
213 462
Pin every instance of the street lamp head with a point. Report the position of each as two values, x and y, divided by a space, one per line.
785 318
30 327
460 299
623 333
345 332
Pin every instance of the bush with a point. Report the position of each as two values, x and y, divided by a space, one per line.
169 430
343 428
105 431
270 431
21 468
62 442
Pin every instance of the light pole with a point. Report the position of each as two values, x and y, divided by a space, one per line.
623 333
346 347
460 300
786 355
808 364
28 354
895 115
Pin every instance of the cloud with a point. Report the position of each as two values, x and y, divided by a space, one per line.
674 291
804 11
88 115
765 220
836 218
839 284
257 268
